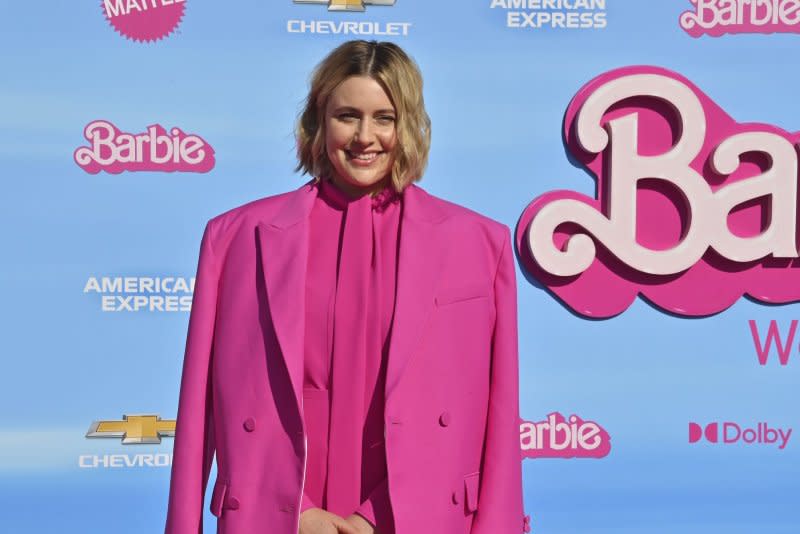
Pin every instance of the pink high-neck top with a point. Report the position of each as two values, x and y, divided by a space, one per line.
325 240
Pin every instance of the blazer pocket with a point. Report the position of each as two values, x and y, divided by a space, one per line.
451 295
471 487
218 497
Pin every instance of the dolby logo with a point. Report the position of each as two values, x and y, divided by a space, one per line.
729 433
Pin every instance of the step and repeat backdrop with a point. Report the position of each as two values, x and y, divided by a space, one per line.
644 154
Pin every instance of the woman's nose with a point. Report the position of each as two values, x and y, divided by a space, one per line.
364 132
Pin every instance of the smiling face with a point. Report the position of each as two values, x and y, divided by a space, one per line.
360 135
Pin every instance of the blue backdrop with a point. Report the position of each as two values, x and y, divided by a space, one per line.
236 75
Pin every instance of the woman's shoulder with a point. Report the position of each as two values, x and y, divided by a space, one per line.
459 213
263 206
464 227
271 208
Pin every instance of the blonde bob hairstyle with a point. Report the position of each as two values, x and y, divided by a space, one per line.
399 76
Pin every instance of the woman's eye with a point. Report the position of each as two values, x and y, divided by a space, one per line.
386 119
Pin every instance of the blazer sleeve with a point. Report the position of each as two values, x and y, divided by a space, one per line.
193 448
500 507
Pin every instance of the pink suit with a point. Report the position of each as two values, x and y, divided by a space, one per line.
451 394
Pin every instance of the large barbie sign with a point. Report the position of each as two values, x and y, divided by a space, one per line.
692 211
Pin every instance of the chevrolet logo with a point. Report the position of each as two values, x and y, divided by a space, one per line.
139 429
347 5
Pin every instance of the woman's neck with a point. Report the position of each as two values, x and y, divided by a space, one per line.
354 191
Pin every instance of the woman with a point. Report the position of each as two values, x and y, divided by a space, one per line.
352 350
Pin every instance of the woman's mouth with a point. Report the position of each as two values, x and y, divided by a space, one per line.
364 158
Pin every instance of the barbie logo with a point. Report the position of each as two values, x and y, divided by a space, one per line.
717 17
556 437
114 151
692 210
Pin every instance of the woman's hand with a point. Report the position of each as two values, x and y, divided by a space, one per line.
319 521
361 525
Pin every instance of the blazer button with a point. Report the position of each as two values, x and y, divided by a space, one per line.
454 497
249 424
232 503
444 419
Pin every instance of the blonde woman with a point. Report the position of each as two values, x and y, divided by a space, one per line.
352 349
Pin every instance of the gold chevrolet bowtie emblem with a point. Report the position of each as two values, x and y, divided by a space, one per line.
141 428
347 5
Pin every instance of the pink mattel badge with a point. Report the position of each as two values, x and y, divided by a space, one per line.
692 209
144 20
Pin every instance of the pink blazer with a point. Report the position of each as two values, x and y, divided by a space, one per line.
451 400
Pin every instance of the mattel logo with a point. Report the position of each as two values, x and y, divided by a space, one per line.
733 433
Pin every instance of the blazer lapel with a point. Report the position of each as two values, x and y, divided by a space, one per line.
284 256
422 251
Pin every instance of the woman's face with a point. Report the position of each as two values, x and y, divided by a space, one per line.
360 135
